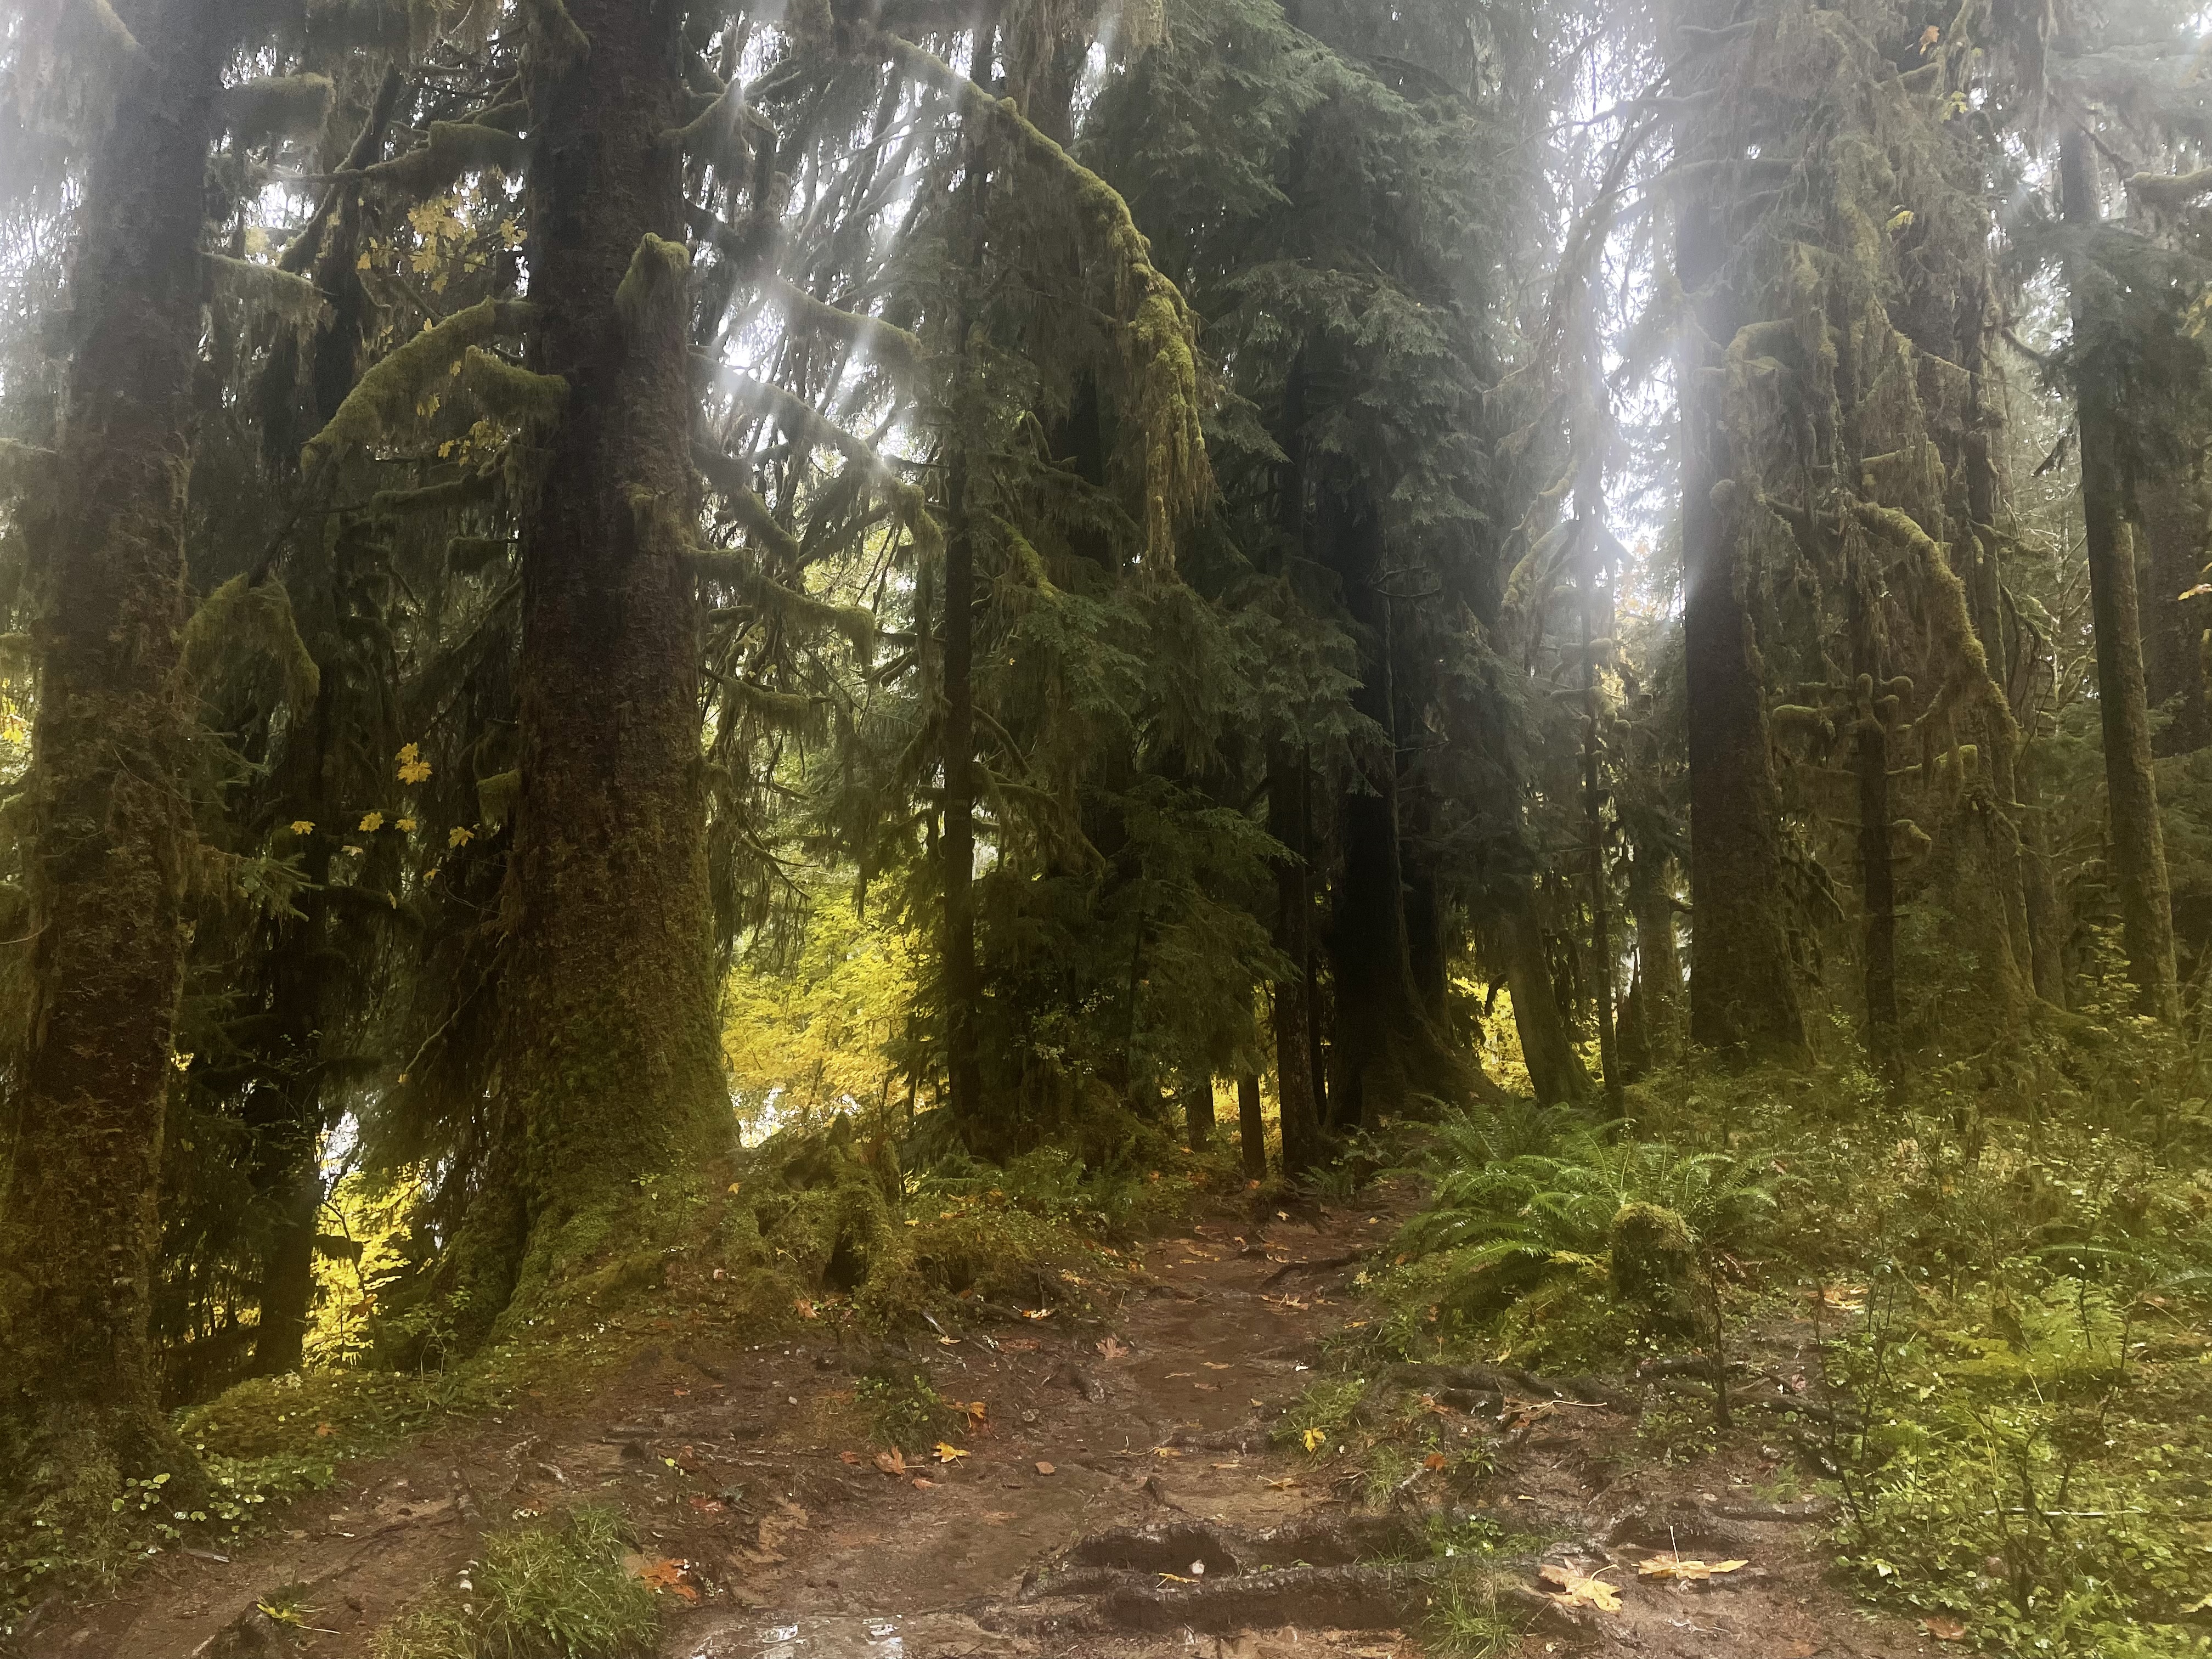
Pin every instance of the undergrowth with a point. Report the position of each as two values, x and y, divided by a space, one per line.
2004 1295
558 1590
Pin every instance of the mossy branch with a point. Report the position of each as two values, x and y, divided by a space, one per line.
2170 192
453 148
896 352
470 490
275 106
244 617
1967 680
1159 334
515 397
801 613
652 291
387 395
716 135
565 45
753 514
280 294
114 33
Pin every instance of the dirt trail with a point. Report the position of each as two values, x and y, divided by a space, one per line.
1120 1499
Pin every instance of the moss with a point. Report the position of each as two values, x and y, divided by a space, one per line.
247 619
561 1588
513 395
292 301
275 106
893 349
1651 1257
651 294
388 395
452 148
563 43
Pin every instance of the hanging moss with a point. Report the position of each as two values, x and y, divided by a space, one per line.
652 291
452 148
388 395
292 302
515 397
497 795
275 106
243 618
893 349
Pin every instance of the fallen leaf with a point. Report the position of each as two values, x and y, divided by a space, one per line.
1574 1591
1315 1438
892 1461
923 1485
1046 1469
976 1411
949 1454
1021 1343
1110 1349
1036 1313
1684 1568
1433 1460
1285 1483
1215 1365
1165 1451
806 1309
1234 1463
665 1573
708 1506
1944 1628
323 1430
848 1457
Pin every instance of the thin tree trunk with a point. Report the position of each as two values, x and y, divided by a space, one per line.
1295 1072
107 839
2173 551
1657 991
1594 829
1251 1127
1743 992
2137 844
610 1052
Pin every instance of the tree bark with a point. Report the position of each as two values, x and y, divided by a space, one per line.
1556 1072
610 1051
2137 847
1198 1115
2174 554
1251 1127
1743 991
1303 1147
1655 993
107 843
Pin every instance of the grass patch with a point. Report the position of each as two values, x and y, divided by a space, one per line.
554 1591
1468 1619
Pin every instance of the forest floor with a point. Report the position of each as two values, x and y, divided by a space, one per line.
1119 1496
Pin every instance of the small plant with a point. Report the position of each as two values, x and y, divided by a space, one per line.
556 1591
904 1410
1465 1620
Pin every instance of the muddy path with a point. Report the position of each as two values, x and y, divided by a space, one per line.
1119 1497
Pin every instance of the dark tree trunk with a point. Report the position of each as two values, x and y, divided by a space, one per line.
1655 994
2174 552
1386 1049
2137 847
1198 1115
610 1051
1601 895
1251 1127
957 846
107 837
1295 1070
1743 990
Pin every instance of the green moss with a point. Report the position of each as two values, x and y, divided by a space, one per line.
388 395
1652 1257
651 294
243 618
275 106
512 395
452 148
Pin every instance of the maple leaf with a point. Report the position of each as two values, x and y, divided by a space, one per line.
948 1453
1113 1350
666 1574
976 1411
406 826
1683 1569
1036 1313
1573 1590
1433 1460
372 822
1944 1628
303 826
460 836
892 1461
1315 1438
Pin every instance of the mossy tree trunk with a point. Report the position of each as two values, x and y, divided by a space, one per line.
1251 1127
1653 1009
610 1056
1556 1072
2136 843
107 842
1743 991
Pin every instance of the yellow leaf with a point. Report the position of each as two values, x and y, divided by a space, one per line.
1899 220
372 822
303 826
1315 1438
413 771
974 1410
459 836
892 1461
406 826
949 1454
1574 1591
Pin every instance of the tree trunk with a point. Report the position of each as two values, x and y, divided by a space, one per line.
2174 550
1295 1072
1743 991
1655 993
1556 1072
1251 1127
107 837
611 1053
1198 1115
2137 847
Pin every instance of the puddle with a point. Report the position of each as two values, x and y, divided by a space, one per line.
813 1638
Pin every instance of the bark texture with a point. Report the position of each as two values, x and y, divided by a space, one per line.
1743 990
2137 848
108 841
610 1054
2173 554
